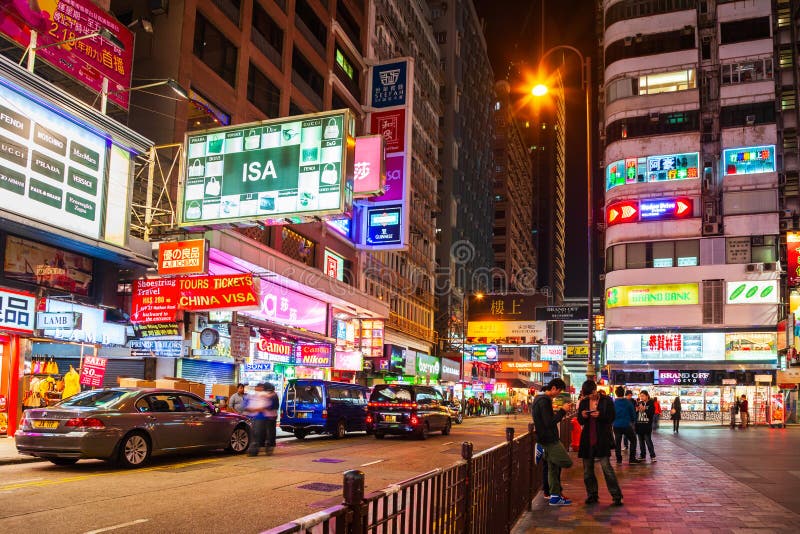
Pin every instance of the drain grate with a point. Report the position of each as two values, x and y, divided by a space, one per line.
321 486
328 460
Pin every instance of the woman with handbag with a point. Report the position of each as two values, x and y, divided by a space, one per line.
645 410
675 414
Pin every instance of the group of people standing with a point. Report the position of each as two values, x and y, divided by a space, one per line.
477 406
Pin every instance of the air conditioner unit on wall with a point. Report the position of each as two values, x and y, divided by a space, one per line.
710 228
772 267
750 120
753 267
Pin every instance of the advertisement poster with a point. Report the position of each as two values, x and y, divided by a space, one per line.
751 346
17 311
93 370
269 170
752 292
154 300
35 263
89 60
285 306
314 355
777 411
51 167
793 258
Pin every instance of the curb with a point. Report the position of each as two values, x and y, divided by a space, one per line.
21 460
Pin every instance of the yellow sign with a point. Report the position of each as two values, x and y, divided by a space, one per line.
577 350
599 324
501 329
653 295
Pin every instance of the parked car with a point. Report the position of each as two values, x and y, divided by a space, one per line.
456 412
406 409
128 426
323 407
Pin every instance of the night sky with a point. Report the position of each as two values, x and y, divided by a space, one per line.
514 33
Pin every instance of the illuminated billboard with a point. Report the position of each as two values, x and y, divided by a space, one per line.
643 169
653 295
749 160
752 292
626 211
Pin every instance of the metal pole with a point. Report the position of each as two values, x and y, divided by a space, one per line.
104 96
148 201
587 81
32 50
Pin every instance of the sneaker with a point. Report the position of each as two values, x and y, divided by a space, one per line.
653 459
592 499
556 500
539 454
635 461
617 502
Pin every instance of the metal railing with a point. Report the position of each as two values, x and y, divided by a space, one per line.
482 493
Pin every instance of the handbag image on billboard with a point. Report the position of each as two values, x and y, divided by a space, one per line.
193 210
212 187
331 130
329 174
252 141
196 168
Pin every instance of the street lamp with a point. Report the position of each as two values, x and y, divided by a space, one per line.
586 83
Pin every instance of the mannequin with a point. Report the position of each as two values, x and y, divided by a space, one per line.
71 383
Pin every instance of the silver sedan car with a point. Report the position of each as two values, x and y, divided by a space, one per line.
128 426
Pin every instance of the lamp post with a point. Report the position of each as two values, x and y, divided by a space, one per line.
586 83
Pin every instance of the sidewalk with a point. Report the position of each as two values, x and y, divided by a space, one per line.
680 493
9 455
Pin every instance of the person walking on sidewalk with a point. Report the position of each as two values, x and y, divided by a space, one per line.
255 408
644 425
271 417
596 414
624 419
546 425
656 414
626 442
675 414
744 411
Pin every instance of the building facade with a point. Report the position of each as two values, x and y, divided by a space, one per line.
693 154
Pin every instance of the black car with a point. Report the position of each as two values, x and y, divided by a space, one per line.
406 409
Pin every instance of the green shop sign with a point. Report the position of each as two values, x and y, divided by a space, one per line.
297 167
428 366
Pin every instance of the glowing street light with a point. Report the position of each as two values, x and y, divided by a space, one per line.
539 90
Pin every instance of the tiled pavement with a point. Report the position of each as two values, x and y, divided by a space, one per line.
681 493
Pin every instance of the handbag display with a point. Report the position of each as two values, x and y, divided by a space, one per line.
252 141
329 174
331 130
212 187
196 169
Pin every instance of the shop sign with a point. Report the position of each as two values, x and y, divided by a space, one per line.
258 367
52 168
428 367
389 84
509 307
154 300
451 371
93 327
551 353
764 379
752 292
684 378
652 169
348 360
626 211
334 265
233 292
183 257
50 320
599 322
275 350
372 338
728 381
164 348
577 350
484 353
240 342
93 370
392 126
737 249
317 355
533 330
793 258
524 367
562 313
500 388
369 174
653 295
270 170
409 362
36 263
156 330
384 225
749 160
290 308
706 346
17 311
395 185
666 208
751 346
394 354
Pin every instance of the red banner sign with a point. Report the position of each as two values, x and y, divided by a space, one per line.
182 257
154 301
793 258
93 370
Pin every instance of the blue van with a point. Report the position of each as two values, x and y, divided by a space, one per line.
321 407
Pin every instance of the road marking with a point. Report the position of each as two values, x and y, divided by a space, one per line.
448 443
115 527
78 478
371 463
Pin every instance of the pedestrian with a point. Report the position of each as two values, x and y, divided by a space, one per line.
644 425
744 411
271 413
596 415
627 443
546 424
734 412
256 407
625 418
236 402
656 414
675 414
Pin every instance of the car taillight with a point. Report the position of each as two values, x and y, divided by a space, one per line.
324 414
369 419
414 420
85 422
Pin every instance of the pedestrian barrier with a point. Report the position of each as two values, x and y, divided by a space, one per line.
483 492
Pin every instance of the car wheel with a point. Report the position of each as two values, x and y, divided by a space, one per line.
240 440
379 435
341 430
447 426
63 461
134 450
300 434
425 431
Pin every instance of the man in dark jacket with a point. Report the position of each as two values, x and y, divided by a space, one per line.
546 423
595 415
624 420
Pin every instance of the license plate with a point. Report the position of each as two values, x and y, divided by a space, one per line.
303 415
45 424
390 418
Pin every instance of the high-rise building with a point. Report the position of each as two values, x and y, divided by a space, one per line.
464 249
694 154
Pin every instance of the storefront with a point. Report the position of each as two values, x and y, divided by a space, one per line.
16 323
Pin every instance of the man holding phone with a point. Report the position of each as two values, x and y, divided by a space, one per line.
595 414
546 421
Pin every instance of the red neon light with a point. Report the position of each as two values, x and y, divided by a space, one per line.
622 212
683 207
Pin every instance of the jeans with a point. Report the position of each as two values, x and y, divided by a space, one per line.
259 436
626 432
270 424
590 480
745 419
646 438
545 479
556 457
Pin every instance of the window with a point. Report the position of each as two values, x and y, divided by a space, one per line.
163 403
666 82
621 88
764 249
304 393
663 254
646 45
96 398
348 24
264 94
231 8
307 73
747 71
213 49
744 30
193 404
308 16
684 253
636 256
267 35
644 126
441 37
344 63
687 252
630 9
713 295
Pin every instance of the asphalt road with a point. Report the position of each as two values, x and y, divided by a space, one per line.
222 493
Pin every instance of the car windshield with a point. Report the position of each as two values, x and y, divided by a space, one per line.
95 398
304 393
392 394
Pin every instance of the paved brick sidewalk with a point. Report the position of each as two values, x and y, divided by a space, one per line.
680 494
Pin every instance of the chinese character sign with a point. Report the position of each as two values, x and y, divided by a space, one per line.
17 311
793 258
90 60
182 257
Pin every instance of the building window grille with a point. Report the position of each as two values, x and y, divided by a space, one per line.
713 301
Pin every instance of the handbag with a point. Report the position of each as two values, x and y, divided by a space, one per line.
252 140
329 174
331 129
196 168
673 411
212 187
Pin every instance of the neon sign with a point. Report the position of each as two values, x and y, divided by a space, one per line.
749 160
666 208
658 168
622 212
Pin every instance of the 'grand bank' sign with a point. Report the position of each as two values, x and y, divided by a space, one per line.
653 295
